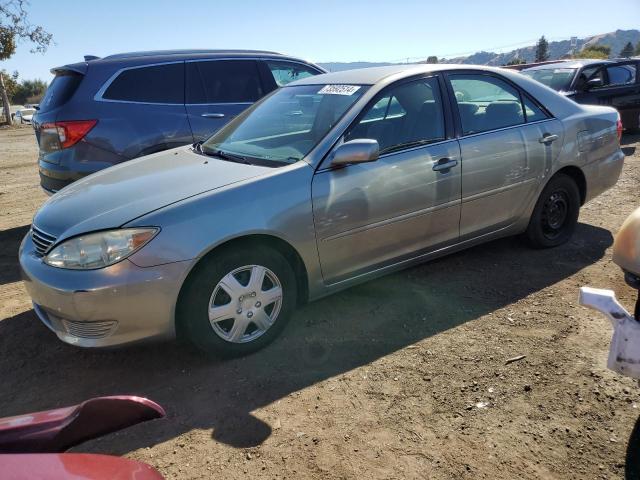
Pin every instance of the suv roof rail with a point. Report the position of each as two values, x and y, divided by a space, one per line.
151 53
88 58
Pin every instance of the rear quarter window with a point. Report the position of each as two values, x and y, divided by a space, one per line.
153 84
60 90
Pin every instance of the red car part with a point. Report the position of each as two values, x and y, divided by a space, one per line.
76 466
62 428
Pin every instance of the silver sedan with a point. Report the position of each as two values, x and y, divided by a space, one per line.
325 183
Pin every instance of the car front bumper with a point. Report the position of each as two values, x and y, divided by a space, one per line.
111 306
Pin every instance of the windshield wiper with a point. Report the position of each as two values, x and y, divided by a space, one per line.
197 147
230 157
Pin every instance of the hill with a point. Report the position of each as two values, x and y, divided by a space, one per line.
558 49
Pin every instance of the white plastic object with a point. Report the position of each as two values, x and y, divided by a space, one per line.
624 351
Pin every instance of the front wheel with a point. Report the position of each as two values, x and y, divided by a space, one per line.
555 215
237 301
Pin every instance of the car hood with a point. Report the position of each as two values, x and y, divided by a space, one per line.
112 197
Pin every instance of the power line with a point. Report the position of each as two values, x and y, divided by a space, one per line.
513 46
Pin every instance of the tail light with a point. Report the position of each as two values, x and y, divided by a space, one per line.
67 134
619 128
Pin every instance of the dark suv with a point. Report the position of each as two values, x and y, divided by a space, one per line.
614 83
104 111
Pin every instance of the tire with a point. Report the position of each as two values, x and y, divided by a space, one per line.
555 215
237 305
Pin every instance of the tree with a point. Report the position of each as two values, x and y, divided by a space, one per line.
542 50
637 52
432 59
28 91
516 61
15 27
627 51
595 51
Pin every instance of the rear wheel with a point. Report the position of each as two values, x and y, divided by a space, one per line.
237 301
555 215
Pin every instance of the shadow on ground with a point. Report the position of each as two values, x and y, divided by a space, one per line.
9 244
324 339
632 464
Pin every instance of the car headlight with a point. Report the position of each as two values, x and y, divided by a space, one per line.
100 249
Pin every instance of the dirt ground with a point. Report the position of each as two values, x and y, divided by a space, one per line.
403 377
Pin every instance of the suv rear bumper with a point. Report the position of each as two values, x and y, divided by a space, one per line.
63 167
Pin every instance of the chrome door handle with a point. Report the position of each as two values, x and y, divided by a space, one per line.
444 165
212 115
547 138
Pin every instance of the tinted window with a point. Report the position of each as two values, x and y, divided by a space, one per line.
284 73
405 116
589 73
60 90
534 113
157 84
486 103
223 81
622 74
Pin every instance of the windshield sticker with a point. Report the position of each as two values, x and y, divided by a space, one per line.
339 90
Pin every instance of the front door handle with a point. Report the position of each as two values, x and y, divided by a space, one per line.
444 165
547 138
212 115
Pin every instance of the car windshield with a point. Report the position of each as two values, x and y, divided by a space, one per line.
29 111
286 126
557 78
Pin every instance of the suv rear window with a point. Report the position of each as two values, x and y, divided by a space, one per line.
60 90
223 81
154 84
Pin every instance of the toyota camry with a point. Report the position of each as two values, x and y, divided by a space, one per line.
327 182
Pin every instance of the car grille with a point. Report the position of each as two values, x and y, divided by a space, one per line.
89 329
41 240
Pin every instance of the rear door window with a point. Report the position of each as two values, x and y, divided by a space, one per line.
621 75
153 84
62 87
223 81
486 103
285 72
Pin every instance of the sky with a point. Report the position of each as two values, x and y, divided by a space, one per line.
319 31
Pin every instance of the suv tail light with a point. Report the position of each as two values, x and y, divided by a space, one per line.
59 135
619 128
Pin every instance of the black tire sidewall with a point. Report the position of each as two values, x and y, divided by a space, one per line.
192 322
534 233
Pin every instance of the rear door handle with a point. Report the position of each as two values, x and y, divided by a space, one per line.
547 138
444 165
212 115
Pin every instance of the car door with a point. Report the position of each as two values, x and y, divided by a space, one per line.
371 215
217 91
622 91
507 142
613 84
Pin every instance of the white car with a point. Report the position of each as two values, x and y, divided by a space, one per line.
25 115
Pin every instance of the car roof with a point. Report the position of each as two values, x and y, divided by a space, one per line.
162 56
569 64
373 75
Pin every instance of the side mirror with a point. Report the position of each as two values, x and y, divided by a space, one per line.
594 83
361 150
